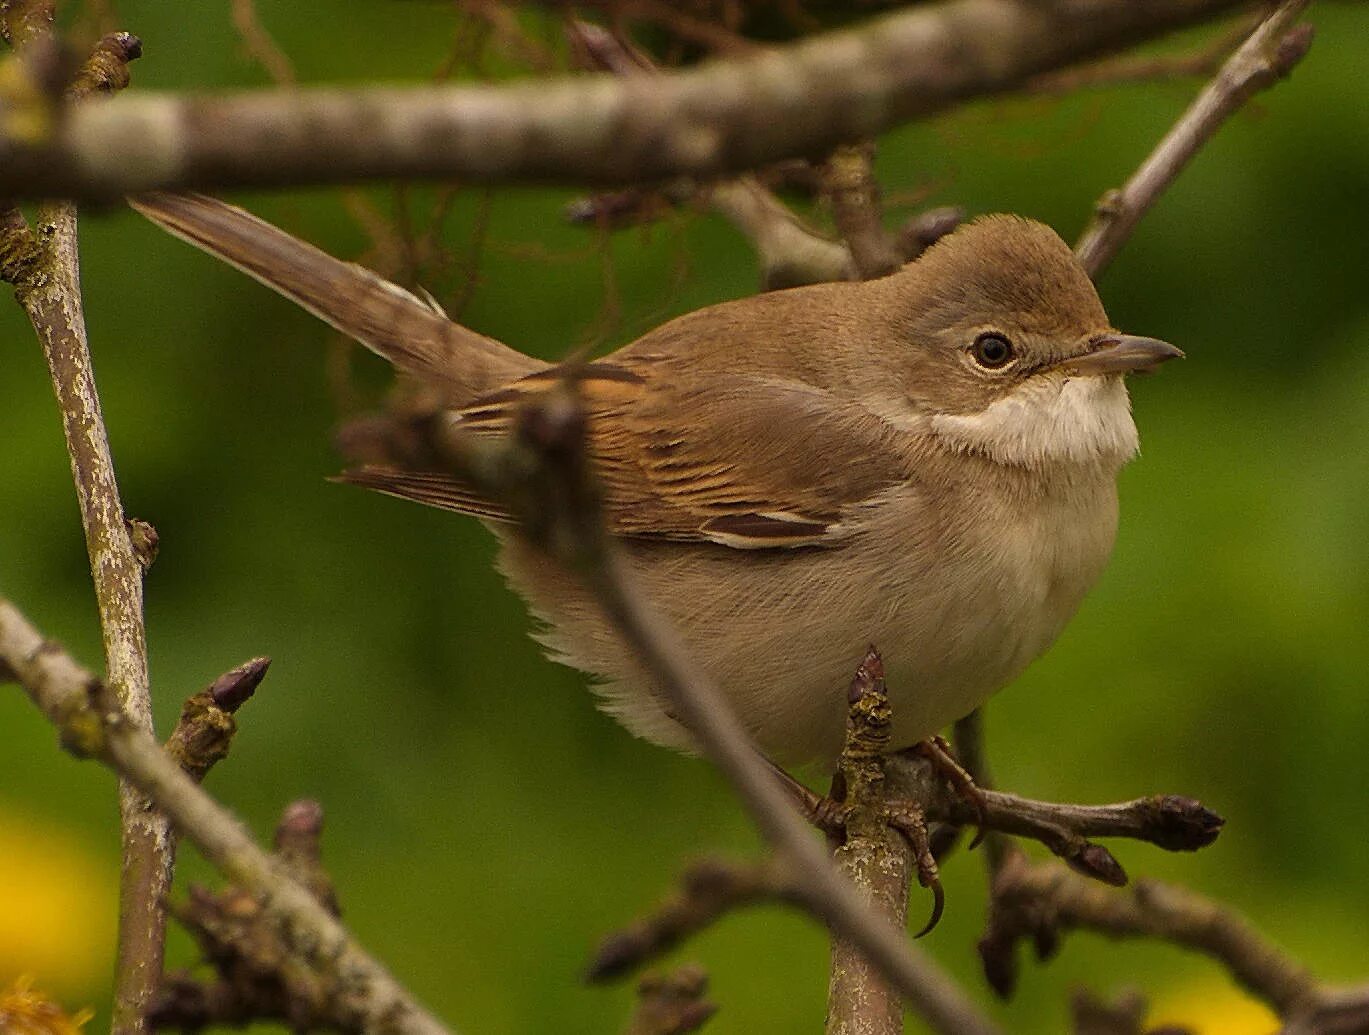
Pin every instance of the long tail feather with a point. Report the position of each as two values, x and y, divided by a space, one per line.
382 316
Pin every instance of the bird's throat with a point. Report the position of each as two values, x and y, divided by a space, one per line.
1047 421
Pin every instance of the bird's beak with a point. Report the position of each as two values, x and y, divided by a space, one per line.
1120 354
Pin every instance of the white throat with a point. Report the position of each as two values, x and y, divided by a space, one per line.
1048 420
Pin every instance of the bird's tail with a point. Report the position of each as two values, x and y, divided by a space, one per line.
412 334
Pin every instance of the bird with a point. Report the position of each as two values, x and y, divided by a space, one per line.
926 461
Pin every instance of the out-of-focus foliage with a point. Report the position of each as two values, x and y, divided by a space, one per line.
486 824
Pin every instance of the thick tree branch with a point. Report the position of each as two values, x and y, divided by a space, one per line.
92 724
1267 56
724 116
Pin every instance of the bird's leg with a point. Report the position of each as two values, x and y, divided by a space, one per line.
937 751
827 813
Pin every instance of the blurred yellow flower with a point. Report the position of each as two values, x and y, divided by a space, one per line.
58 904
26 1012
1215 1008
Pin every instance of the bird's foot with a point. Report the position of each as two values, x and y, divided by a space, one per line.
937 751
829 814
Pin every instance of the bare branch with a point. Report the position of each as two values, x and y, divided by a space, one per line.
707 890
926 228
93 724
1267 56
724 116
1171 821
1039 903
790 253
1123 1016
1128 69
246 951
260 44
44 268
850 185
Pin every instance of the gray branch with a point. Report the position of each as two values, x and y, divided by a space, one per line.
1262 60
724 116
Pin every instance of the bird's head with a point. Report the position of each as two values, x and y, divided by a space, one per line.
1012 355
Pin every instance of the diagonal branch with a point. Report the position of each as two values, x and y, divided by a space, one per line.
724 116
92 724
1266 57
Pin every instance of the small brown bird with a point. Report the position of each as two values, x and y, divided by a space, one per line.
927 462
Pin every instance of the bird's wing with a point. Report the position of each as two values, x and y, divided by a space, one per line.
750 462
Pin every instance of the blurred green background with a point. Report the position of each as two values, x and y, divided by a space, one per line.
485 824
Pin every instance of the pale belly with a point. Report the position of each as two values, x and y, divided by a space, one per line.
782 633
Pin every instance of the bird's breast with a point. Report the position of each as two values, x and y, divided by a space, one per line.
1015 568
958 595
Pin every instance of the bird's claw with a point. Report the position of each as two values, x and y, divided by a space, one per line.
908 819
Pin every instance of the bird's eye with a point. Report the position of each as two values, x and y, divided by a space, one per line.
992 351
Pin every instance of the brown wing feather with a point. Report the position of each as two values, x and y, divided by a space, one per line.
750 463
431 488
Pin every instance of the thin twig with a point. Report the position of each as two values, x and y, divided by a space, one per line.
1170 821
92 724
1151 69
260 44
707 890
790 252
1267 56
246 952
923 230
850 186
49 289
1040 903
1093 1016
